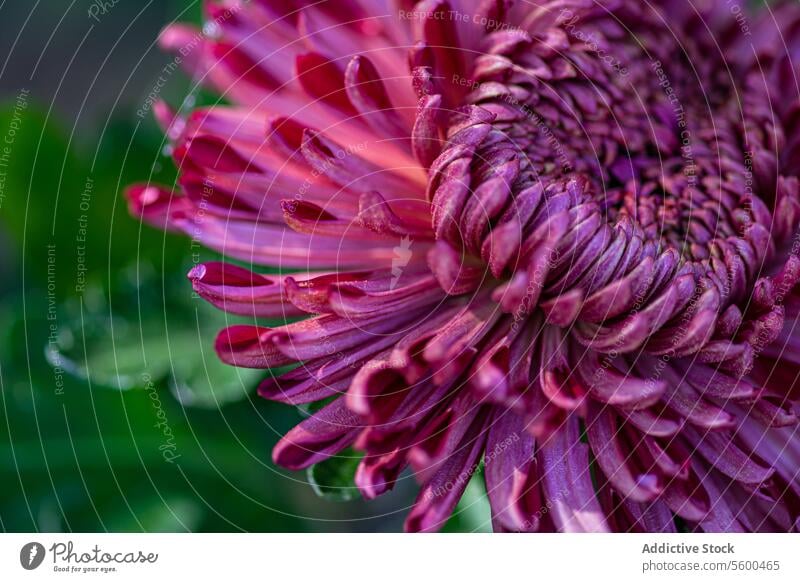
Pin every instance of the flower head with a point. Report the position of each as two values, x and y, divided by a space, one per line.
557 240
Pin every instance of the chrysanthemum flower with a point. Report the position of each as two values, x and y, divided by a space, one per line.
554 240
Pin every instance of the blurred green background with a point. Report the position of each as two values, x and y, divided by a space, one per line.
115 414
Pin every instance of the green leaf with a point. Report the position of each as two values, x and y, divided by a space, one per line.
333 479
473 512
158 515
203 380
143 339
111 351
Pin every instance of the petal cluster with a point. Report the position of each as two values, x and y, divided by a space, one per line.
554 242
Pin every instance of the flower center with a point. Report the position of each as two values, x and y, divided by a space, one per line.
618 128
616 175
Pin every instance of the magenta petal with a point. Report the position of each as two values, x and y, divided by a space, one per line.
440 436
723 517
617 461
156 206
618 297
319 437
609 385
319 378
214 153
688 498
439 496
718 384
652 517
568 484
176 38
242 292
426 140
328 335
454 275
248 346
404 294
322 79
368 94
376 391
659 422
724 455
512 478
564 309
378 474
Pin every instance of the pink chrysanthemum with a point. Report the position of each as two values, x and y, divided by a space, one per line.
558 238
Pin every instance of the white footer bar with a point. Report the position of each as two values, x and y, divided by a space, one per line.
399 557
